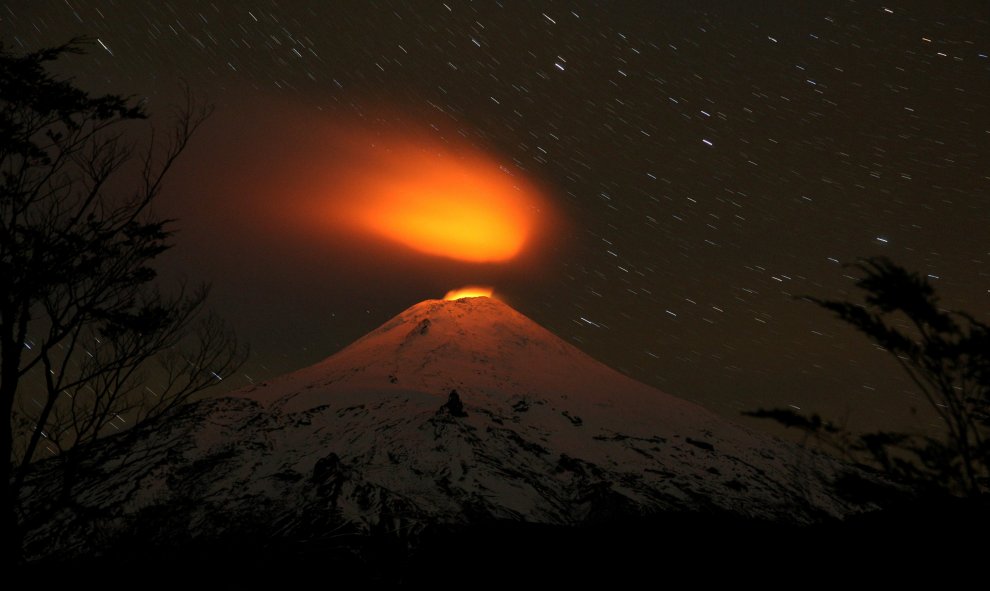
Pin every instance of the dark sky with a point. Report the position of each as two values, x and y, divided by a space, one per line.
702 163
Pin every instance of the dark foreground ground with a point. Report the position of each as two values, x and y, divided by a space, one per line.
945 539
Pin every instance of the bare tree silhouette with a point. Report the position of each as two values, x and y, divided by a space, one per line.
82 325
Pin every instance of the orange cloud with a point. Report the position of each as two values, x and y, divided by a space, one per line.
450 202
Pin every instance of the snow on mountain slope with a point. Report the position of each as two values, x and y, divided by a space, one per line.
452 412
529 394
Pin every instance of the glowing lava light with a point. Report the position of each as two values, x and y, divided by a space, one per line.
458 204
470 291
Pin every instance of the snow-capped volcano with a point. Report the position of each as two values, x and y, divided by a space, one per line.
538 423
494 357
452 412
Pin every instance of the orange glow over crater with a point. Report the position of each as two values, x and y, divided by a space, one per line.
450 202
470 291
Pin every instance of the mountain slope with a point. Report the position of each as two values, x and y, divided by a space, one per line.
453 412
533 397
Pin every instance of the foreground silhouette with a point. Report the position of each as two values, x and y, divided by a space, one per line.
947 356
81 322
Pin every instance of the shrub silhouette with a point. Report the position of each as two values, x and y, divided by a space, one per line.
947 356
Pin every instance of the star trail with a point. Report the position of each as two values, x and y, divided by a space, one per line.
708 162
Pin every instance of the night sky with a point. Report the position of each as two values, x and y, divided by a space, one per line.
701 163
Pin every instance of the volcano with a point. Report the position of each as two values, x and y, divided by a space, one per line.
453 412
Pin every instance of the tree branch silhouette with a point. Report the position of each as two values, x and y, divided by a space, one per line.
84 331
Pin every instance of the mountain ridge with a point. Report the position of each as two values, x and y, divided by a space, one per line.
453 412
